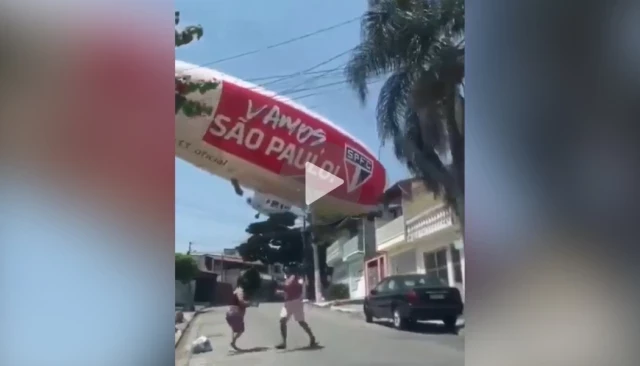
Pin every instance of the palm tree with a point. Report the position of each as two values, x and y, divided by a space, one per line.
418 45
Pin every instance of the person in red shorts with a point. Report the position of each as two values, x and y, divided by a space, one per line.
293 306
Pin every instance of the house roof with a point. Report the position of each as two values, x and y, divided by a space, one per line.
397 191
226 258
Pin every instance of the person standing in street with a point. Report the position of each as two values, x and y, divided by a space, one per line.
237 310
293 306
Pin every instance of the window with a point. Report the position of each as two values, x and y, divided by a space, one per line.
420 281
435 265
208 263
457 264
382 286
392 285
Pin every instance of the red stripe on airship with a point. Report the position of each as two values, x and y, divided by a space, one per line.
281 138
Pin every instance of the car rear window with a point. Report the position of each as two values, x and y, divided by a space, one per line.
419 281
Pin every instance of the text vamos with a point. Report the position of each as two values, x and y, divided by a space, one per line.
252 132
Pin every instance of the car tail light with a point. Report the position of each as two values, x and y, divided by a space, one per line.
412 297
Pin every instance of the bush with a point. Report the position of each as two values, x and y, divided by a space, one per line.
337 291
186 268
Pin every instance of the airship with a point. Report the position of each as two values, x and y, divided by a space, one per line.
263 141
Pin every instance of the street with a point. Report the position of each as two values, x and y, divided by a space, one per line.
346 340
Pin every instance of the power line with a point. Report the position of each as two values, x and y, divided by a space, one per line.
316 87
306 81
326 91
261 78
288 41
305 71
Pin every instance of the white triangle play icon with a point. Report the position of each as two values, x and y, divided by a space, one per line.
318 182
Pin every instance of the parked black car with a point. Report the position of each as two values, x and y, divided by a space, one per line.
408 298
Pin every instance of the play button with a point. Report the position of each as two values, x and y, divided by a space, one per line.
318 183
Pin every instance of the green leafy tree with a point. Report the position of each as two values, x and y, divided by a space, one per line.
274 240
277 240
184 84
418 46
186 271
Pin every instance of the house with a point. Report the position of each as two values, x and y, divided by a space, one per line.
346 255
416 233
218 277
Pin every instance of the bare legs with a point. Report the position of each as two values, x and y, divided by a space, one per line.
307 329
283 333
234 338
303 325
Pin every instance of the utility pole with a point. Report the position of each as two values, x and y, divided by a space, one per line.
305 251
222 274
192 305
308 216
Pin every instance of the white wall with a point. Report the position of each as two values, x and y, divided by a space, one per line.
356 279
404 261
340 273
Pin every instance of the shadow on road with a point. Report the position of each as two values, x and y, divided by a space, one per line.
242 351
424 328
307 348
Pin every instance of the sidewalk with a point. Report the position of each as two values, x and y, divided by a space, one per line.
327 304
181 327
354 308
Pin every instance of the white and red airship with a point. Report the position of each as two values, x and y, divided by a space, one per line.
262 141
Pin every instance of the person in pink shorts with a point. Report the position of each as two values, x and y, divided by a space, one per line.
293 307
236 312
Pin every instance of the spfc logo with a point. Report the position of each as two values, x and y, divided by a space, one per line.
358 167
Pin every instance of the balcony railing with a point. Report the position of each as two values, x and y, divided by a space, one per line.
352 246
390 230
430 223
334 252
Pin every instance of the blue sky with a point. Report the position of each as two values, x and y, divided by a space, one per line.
208 212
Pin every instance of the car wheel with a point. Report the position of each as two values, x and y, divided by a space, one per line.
398 321
450 322
367 316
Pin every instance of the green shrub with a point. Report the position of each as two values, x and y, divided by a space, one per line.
337 291
186 268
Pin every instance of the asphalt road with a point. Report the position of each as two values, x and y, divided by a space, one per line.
346 341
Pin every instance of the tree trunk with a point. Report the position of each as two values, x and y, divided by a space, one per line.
456 143
452 179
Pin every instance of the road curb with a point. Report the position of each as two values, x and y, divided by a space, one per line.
349 312
181 332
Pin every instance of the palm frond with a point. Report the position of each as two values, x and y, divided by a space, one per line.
452 14
392 104
367 61
421 159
